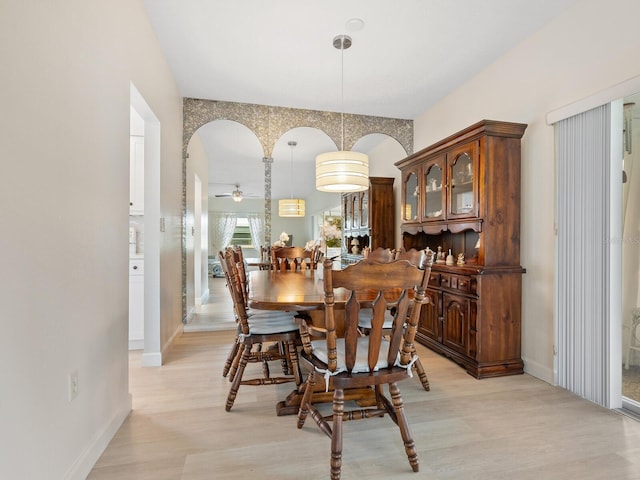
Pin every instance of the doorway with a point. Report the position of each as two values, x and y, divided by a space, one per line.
631 254
152 354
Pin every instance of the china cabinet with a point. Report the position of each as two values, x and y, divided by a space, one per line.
461 196
368 219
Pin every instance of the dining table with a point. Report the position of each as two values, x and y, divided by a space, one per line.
302 292
261 263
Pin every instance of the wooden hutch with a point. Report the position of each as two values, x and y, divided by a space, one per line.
368 217
463 194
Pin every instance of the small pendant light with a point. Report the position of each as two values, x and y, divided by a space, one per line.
343 171
291 207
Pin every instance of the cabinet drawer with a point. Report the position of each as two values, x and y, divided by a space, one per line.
461 283
434 279
136 267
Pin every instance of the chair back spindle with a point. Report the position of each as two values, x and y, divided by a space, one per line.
293 258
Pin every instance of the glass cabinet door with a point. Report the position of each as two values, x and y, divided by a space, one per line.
462 168
346 200
355 208
434 193
364 218
410 200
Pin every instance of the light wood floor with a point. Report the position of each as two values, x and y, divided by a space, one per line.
504 428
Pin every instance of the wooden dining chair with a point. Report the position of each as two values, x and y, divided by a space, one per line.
415 257
293 258
241 266
357 361
231 363
381 255
255 331
265 257
240 278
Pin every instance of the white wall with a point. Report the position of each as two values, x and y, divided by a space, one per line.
592 46
300 228
64 182
197 164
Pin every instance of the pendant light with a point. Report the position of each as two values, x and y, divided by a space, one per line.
343 171
291 207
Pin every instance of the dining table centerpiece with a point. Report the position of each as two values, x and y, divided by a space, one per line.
331 237
282 242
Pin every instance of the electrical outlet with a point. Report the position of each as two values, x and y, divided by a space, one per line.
73 385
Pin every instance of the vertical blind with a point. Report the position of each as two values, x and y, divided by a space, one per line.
582 299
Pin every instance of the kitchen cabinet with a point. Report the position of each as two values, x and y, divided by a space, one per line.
368 217
136 303
462 195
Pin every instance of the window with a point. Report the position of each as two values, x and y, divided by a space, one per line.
242 234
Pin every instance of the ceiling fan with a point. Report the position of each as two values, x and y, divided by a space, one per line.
236 195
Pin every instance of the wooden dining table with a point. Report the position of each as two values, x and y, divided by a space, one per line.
291 291
303 291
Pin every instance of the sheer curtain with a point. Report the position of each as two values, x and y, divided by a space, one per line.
256 228
583 263
221 227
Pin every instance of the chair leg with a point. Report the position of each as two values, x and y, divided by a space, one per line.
286 363
403 424
292 358
306 398
230 358
233 391
235 362
422 375
265 363
336 437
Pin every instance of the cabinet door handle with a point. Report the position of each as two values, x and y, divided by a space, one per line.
135 267
462 284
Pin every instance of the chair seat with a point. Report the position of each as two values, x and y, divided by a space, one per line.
265 323
362 365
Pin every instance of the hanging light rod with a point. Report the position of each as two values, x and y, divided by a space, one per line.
291 207
342 171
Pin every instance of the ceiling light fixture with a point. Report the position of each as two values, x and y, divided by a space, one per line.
343 171
291 207
236 194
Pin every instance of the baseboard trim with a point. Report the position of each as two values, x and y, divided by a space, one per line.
153 359
190 314
87 459
538 370
136 344
205 297
169 344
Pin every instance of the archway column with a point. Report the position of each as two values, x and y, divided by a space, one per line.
268 161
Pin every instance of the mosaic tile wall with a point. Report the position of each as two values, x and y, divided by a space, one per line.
269 124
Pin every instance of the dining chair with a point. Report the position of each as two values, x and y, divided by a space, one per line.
231 363
241 266
381 255
357 361
265 257
240 278
415 257
256 330
293 258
